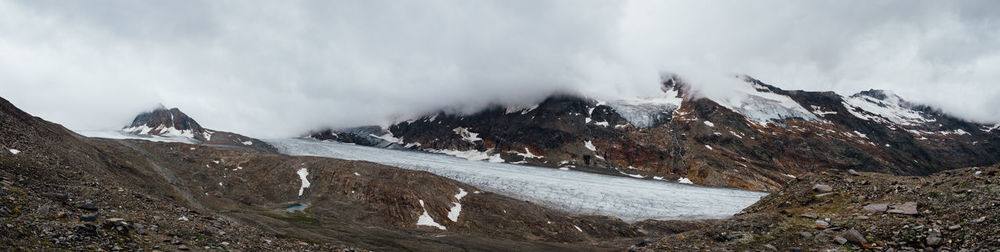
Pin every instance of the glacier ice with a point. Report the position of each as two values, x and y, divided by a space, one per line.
576 192
121 134
759 104
646 112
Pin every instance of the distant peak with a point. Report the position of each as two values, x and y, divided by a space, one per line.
876 93
758 85
163 121
885 96
673 83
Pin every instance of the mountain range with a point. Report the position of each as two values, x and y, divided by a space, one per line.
760 140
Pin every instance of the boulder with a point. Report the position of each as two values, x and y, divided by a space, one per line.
855 237
934 238
88 217
89 206
908 208
876 207
820 224
840 240
822 188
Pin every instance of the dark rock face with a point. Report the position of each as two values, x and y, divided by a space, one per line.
366 135
705 141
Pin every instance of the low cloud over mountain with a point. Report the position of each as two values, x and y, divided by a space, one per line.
270 69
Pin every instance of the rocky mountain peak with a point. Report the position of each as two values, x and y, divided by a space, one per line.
673 83
166 122
876 93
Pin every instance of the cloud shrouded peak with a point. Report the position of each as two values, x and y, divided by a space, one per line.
277 69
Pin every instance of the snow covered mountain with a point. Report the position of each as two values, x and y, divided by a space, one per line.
173 125
759 139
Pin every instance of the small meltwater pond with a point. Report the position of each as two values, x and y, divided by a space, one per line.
573 191
295 208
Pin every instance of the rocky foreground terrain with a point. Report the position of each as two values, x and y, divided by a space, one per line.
956 210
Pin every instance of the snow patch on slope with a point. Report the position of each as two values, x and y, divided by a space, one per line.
467 135
589 145
426 220
954 132
819 111
457 208
305 182
14 151
523 108
988 129
388 137
527 154
160 131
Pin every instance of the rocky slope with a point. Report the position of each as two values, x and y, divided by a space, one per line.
757 141
835 210
62 191
173 123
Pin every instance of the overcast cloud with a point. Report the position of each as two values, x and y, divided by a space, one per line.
279 68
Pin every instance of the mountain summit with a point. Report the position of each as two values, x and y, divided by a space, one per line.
168 122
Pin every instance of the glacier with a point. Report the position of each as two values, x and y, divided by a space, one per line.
647 111
885 107
572 191
121 134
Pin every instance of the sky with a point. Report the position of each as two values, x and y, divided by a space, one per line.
281 68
